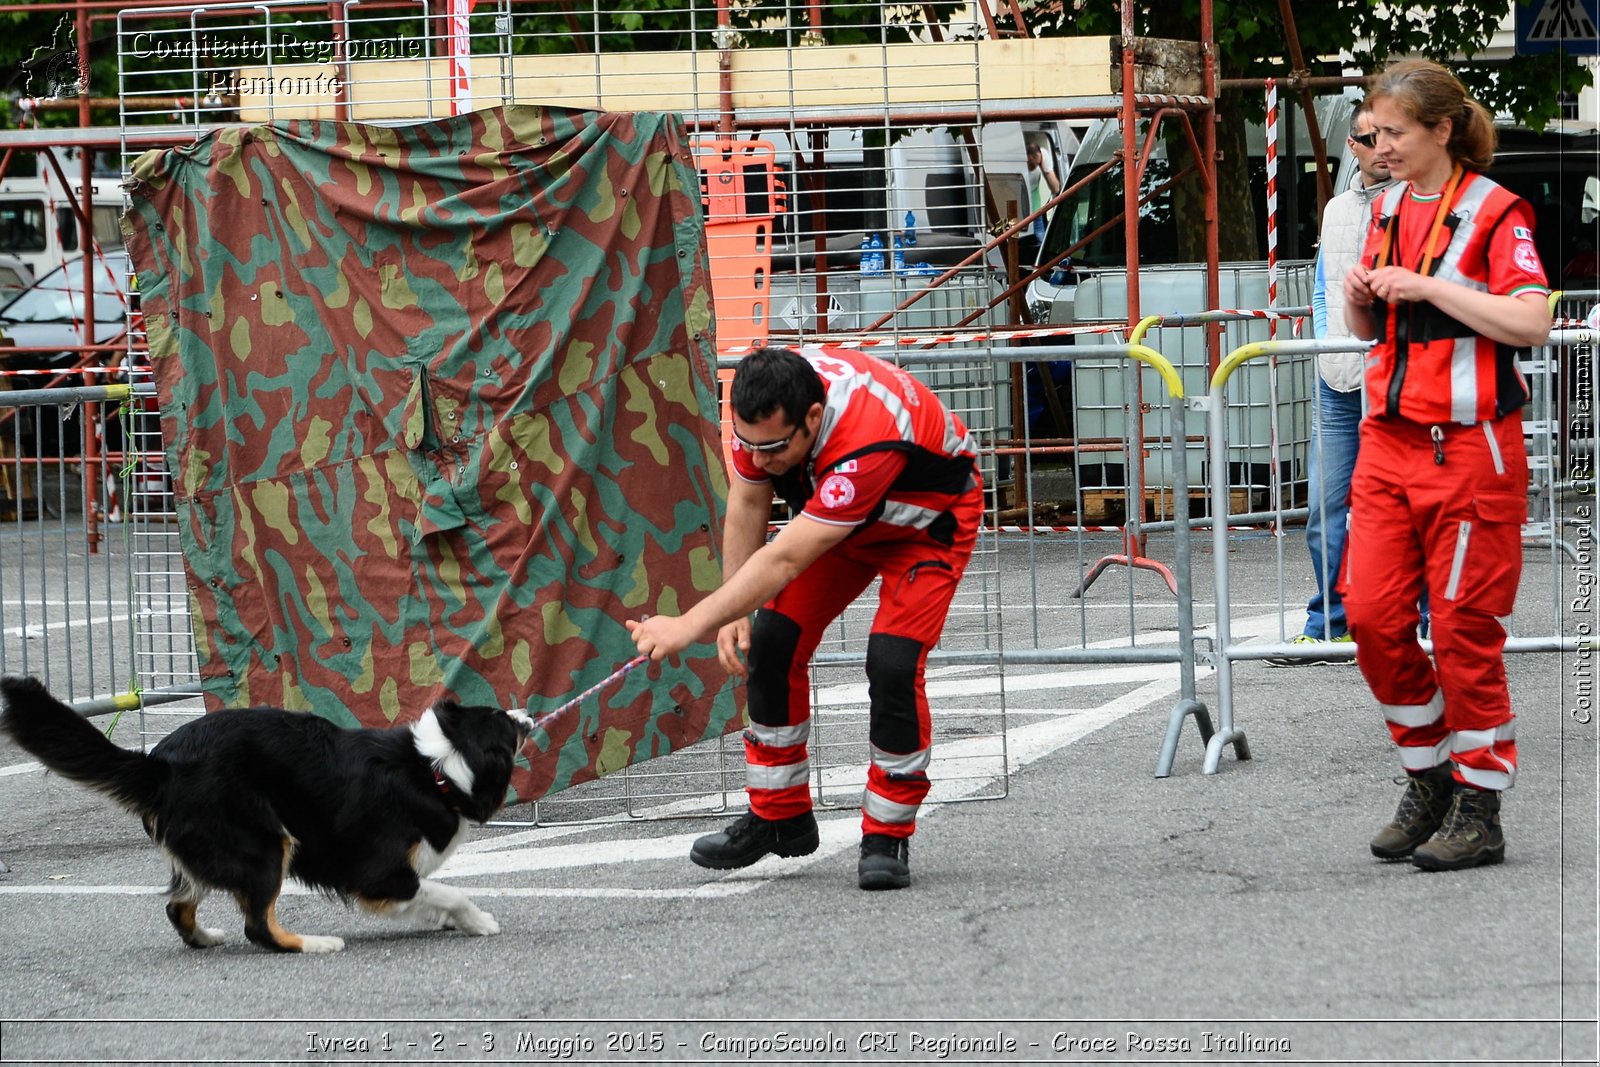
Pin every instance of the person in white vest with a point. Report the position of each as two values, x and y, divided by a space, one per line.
1336 416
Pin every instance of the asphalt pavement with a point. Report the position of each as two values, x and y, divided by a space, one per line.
1072 909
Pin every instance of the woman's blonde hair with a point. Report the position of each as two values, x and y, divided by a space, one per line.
1429 94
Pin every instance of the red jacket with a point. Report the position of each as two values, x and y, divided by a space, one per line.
888 457
1427 367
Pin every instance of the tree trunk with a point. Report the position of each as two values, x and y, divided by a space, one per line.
1237 234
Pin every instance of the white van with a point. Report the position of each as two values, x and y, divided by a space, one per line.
37 223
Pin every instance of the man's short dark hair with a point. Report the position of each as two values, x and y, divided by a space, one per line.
775 379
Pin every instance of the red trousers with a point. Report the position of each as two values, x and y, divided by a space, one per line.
1456 524
918 581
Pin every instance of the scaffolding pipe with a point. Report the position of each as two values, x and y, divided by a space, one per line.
1208 140
1319 147
723 38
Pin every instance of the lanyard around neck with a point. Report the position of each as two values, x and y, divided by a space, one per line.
1440 214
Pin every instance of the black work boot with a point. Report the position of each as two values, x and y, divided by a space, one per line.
750 837
1422 808
885 862
1470 836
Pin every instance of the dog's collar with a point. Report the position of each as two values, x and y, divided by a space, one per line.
448 791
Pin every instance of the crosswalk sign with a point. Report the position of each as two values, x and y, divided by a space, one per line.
1545 26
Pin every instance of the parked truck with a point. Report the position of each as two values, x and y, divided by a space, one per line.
37 223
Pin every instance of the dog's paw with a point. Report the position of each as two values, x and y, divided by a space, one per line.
205 937
314 943
476 922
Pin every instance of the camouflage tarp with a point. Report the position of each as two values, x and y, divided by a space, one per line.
439 406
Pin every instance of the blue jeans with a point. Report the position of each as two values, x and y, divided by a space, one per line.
1335 437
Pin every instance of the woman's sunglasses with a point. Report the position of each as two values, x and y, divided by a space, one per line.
1365 140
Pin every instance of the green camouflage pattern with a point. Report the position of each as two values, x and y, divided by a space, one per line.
440 409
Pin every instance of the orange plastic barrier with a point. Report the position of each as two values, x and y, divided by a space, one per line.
742 195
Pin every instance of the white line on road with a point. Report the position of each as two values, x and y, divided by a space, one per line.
532 850
35 629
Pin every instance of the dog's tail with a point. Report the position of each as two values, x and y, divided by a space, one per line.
69 745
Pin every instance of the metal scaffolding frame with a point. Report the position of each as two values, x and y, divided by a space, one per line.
145 125
1192 112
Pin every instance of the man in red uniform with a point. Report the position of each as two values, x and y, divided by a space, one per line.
884 484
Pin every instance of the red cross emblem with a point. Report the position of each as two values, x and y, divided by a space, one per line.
837 492
831 369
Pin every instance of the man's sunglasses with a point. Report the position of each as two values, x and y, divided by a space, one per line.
1365 140
768 446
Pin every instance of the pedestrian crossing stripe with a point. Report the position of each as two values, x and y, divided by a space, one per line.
1562 20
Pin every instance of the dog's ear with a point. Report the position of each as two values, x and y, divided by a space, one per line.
448 711
453 719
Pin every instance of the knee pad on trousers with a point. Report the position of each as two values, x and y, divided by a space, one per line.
774 638
892 684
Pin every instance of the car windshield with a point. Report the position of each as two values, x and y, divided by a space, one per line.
58 296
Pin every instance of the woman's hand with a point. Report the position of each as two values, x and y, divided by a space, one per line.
1394 285
1357 288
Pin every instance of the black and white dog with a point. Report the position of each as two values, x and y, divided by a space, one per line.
240 799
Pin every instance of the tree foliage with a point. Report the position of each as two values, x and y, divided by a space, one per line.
1336 37
1340 35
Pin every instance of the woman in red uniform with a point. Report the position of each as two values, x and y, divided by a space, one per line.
1452 290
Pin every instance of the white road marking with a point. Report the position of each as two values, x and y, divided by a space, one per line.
34 629
1026 742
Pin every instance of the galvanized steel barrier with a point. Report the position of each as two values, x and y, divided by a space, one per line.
94 591
63 589
1551 486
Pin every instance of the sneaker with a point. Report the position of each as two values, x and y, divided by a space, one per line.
1470 835
1422 809
885 862
750 837
1305 640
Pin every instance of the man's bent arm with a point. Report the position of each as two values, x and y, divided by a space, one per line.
744 530
766 571
758 579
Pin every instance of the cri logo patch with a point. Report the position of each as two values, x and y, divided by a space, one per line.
837 491
1526 258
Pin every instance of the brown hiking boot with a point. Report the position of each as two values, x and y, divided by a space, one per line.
1422 809
1470 836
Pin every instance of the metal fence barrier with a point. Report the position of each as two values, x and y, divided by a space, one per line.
95 603
1567 362
64 578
